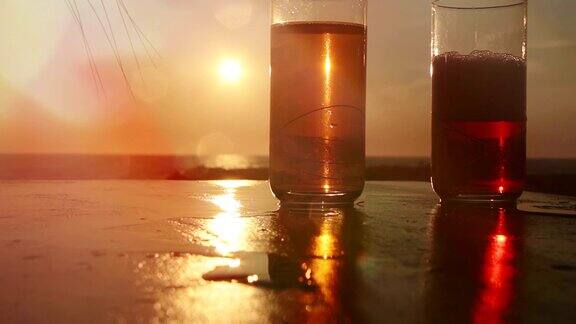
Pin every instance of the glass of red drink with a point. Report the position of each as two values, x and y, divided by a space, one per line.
479 100
317 100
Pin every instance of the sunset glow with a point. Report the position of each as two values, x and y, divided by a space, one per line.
185 68
291 161
230 71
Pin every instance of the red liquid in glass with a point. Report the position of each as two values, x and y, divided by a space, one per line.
478 126
318 97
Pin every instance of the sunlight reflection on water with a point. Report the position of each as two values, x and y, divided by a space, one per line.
310 262
228 226
190 299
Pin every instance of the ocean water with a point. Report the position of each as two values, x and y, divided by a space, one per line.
193 167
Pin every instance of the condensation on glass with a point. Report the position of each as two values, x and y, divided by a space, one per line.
317 100
478 99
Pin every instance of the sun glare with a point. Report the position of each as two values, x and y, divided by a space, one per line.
230 71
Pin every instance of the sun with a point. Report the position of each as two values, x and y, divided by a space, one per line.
230 70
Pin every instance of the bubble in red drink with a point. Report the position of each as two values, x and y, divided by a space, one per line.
478 126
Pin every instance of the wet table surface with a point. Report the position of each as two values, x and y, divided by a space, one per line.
138 251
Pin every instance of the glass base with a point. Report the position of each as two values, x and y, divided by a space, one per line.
317 200
508 200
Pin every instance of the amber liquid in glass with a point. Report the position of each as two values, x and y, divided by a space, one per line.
317 122
478 126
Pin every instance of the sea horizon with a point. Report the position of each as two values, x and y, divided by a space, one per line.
30 166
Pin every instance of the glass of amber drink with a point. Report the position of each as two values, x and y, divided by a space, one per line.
317 100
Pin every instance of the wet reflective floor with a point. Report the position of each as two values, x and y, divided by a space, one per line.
224 251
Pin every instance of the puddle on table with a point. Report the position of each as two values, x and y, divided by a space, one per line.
263 269
559 207
303 246
309 256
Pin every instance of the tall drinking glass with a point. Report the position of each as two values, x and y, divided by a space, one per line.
479 99
317 100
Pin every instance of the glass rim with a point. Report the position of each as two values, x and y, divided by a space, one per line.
511 3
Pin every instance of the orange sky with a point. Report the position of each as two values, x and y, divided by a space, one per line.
207 91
